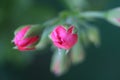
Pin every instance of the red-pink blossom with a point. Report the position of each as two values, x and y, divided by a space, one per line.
25 43
64 38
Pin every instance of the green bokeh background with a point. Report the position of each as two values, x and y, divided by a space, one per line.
101 63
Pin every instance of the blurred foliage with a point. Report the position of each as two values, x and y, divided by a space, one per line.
101 63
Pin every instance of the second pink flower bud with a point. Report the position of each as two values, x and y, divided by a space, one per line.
64 38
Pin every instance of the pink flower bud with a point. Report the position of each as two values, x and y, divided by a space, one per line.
23 43
63 38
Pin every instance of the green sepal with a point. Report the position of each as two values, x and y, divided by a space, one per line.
44 40
34 30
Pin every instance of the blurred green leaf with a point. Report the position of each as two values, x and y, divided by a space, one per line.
76 4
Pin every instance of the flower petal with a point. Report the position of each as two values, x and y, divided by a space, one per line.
70 41
61 31
20 34
63 38
70 29
27 41
25 48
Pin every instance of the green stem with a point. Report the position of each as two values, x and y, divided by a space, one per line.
50 22
92 14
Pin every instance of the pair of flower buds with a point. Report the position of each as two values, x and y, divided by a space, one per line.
27 37
62 38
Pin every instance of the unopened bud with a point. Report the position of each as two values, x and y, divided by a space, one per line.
60 63
26 37
94 35
113 16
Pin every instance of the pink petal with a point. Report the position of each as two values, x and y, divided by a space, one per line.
63 38
27 41
61 31
20 34
57 33
33 40
25 49
70 41
53 36
70 29
58 45
118 19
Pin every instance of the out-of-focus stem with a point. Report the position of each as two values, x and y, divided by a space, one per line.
92 14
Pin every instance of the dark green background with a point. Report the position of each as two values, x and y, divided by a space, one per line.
101 63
